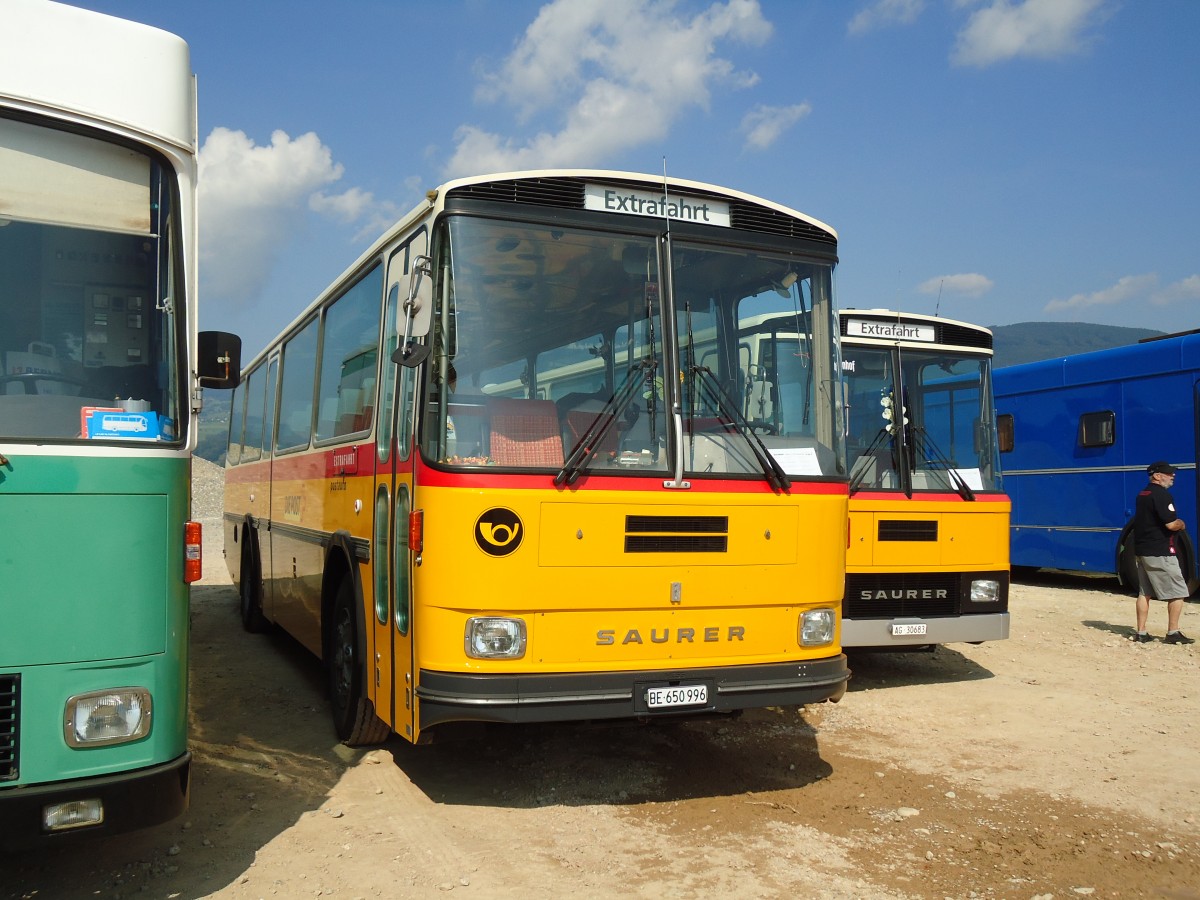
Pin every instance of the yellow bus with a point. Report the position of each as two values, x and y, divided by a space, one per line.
928 556
417 493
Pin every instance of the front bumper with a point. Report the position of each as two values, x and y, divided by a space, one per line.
132 800
876 634
561 697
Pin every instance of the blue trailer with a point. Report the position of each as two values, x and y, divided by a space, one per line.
1076 435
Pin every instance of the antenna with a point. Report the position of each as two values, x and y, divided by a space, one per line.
938 305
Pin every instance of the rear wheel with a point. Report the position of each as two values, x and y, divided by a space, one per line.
1187 561
1126 561
354 716
250 588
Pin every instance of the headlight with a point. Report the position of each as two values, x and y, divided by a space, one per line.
101 718
985 590
491 637
816 627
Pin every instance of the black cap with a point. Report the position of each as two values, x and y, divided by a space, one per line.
1161 467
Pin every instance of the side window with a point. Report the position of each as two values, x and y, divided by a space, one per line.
269 407
233 452
349 351
251 446
1005 432
296 389
1098 429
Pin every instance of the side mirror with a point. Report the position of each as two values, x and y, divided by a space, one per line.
418 313
419 307
219 360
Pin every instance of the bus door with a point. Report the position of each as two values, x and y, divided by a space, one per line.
391 662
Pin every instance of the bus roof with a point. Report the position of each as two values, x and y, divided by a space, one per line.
59 59
1151 357
439 193
925 330
651 181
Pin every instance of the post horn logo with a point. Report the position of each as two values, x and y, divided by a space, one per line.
498 531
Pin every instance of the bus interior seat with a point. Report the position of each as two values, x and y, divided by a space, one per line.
578 412
525 432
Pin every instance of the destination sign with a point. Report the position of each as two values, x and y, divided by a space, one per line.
604 198
890 331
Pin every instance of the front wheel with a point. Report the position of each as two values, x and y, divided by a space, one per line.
354 716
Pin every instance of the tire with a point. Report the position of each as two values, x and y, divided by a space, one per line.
1127 565
1187 562
1126 561
354 717
249 588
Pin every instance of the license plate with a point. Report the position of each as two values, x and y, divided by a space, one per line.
681 695
911 628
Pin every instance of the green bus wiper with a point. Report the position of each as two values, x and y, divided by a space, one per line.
581 454
729 411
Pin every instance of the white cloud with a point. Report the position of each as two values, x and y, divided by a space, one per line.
1043 29
883 13
623 71
250 200
345 207
969 284
1184 291
1131 288
763 125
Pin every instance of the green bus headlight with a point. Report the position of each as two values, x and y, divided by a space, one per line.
100 718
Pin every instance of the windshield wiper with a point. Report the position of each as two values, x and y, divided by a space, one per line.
860 472
933 453
729 411
581 454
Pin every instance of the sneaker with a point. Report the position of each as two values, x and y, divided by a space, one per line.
1178 637
1143 638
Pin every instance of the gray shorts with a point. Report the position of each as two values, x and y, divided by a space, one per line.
1160 578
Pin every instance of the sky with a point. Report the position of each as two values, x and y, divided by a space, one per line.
993 161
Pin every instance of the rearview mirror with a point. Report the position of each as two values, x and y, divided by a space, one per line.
418 309
219 360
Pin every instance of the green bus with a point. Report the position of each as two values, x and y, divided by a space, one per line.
101 368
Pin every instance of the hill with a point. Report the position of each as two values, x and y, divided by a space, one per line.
1033 341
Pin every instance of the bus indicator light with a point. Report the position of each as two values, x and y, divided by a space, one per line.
193 562
416 530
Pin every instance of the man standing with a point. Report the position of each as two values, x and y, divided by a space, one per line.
1159 576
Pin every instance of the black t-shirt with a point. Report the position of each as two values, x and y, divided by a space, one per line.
1152 510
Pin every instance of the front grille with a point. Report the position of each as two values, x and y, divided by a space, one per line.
908 530
678 524
676 534
568 193
561 192
10 719
891 595
675 543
